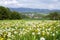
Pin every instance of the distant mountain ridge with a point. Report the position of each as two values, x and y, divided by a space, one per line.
33 10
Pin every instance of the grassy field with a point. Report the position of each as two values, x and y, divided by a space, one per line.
29 30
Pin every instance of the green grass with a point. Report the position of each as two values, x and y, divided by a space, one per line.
29 30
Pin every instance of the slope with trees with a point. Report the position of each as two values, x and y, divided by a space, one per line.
6 13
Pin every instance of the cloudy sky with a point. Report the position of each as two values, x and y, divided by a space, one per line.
41 4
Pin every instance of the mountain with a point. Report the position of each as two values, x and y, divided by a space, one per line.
33 10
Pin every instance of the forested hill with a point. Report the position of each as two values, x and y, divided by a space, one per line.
34 10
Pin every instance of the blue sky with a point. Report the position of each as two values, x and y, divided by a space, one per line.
41 4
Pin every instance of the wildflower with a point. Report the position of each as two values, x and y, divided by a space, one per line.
43 32
48 33
38 33
42 38
9 34
49 29
8 39
38 29
56 31
53 34
33 33
15 32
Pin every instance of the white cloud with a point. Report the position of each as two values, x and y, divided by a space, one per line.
45 4
8 2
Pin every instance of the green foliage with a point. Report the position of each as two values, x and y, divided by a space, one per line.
15 15
54 16
6 13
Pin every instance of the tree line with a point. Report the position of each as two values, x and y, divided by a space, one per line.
6 13
53 16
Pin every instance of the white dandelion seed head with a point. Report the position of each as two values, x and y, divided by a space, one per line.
33 33
30 28
38 33
56 31
48 33
15 32
42 38
53 34
43 31
9 34
8 39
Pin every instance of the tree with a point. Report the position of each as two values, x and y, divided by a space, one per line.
54 16
4 13
15 15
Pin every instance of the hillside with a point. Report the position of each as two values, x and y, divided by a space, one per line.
34 10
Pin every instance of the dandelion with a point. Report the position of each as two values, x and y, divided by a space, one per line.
53 34
9 34
30 28
34 26
8 39
15 32
42 38
21 32
33 33
38 33
43 32
48 33
56 31
43 27
49 29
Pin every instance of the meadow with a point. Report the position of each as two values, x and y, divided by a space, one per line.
29 30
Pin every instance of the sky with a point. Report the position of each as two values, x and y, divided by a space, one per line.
40 4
